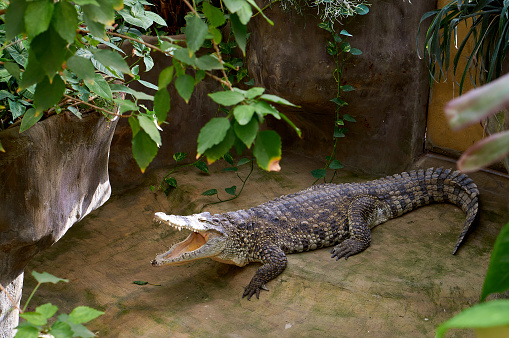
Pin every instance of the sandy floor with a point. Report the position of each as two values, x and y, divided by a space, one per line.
405 284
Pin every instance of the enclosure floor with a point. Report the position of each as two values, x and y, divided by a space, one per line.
404 285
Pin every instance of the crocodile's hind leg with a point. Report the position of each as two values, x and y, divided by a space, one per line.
363 213
274 263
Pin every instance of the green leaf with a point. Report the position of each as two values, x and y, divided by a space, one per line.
171 181
144 149
2 148
103 14
231 190
355 51
485 152
347 88
162 104
95 28
202 166
111 59
277 99
227 98
34 318
219 150
253 3
65 20
243 161
213 14
61 329
263 108
13 69
179 156
82 67
148 84
243 113
47 278
228 158
165 77
29 119
86 2
38 17
210 192
27 332
245 12
125 105
100 87
33 72
331 48
335 164
200 75
339 132
234 5
135 125
208 62
362 9
47 310
349 118
327 26
78 329
150 127
319 173
267 150
497 277
216 34
491 314
84 314
119 88
239 32
185 86
156 18
140 282
230 169
247 133
254 92
15 19
339 102
49 49
196 31
345 47
182 55
344 32
212 133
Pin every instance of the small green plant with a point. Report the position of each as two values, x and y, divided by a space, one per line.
232 191
341 50
169 182
41 321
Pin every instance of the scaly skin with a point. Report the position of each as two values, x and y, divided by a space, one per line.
320 216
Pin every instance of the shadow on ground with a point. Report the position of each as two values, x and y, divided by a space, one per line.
405 284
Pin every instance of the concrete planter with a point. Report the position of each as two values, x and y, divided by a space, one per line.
51 176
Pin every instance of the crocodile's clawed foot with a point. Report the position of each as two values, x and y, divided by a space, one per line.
252 289
348 248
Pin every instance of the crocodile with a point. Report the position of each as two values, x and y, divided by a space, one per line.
320 216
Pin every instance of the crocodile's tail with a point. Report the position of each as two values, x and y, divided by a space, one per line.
417 188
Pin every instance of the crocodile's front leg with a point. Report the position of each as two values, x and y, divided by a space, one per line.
274 263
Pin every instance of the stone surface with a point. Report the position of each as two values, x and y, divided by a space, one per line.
52 175
404 285
290 60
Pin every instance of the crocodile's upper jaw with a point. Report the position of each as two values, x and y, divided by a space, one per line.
207 240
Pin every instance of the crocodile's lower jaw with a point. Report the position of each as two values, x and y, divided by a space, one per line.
193 242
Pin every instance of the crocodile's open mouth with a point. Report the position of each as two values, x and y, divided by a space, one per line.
200 243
